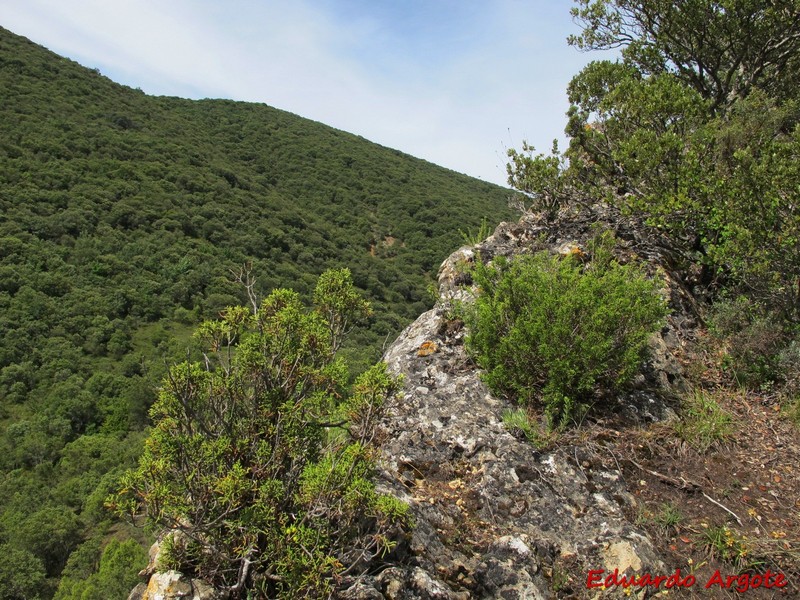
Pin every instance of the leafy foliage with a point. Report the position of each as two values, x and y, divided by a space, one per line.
542 180
546 329
117 574
122 218
237 459
20 571
723 49
750 340
696 127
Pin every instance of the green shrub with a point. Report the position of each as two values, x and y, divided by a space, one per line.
549 329
239 461
752 339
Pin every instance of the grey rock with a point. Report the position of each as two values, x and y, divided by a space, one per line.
137 593
493 515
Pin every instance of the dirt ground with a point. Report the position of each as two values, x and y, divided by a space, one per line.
733 508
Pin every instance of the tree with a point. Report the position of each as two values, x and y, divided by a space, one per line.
22 574
261 457
723 49
118 570
696 129
51 534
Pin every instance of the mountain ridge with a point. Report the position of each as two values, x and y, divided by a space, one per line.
122 218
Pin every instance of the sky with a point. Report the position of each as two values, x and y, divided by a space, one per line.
456 82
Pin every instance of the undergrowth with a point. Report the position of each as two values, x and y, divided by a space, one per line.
560 332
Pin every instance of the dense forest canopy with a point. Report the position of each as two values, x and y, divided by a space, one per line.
124 219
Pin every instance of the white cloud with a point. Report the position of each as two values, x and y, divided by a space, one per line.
455 91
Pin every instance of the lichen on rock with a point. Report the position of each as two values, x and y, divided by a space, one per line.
495 517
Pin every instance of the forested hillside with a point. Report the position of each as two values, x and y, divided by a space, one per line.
122 219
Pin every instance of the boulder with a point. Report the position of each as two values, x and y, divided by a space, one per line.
494 516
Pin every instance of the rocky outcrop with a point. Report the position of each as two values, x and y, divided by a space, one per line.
172 585
495 517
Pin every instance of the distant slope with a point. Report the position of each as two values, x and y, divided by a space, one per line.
120 217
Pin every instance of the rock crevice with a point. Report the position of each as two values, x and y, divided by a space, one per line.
495 517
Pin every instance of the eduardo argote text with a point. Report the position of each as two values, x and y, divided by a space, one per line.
598 578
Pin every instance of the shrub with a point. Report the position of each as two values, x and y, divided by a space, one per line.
752 340
239 461
549 329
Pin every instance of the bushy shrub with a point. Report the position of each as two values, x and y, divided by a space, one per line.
752 341
239 460
551 330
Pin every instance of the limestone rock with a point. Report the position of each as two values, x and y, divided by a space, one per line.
172 585
495 517
156 552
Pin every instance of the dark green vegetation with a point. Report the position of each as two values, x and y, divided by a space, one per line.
696 127
549 329
121 218
260 455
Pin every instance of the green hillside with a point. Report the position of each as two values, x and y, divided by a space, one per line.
121 218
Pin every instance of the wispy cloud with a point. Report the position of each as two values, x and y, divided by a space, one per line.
451 81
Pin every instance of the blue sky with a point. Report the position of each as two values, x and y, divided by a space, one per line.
456 82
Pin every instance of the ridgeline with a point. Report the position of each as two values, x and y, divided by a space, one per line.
122 218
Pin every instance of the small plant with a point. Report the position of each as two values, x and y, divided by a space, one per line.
517 422
727 545
792 411
668 518
704 422
473 238
643 516
559 579
551 330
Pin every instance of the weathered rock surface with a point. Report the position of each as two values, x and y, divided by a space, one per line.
172 585
169 585
495 518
